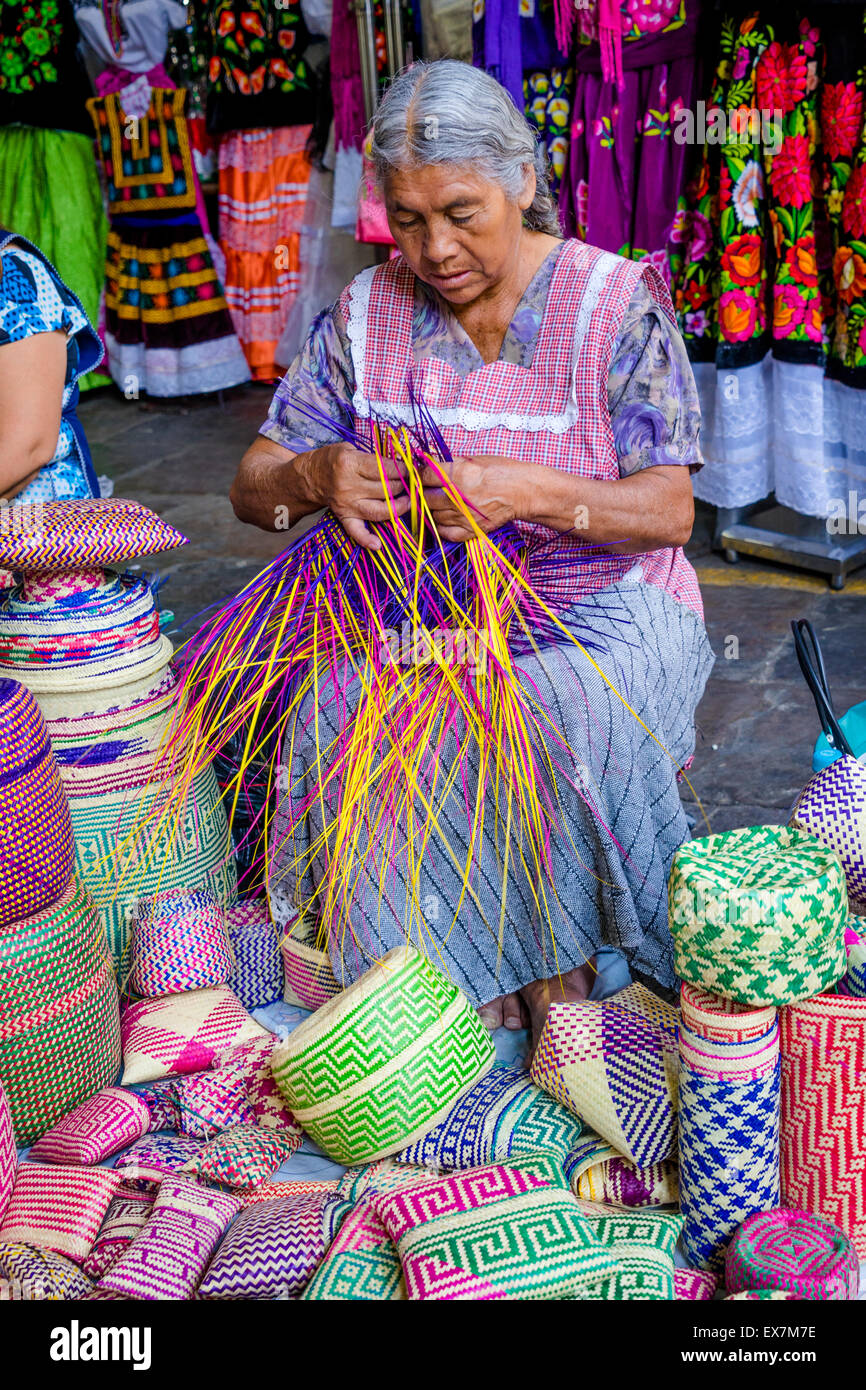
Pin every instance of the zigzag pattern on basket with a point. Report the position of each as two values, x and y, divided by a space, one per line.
832 807
597 1173
257 978
182 1033
8 1153
294 1188
308 977
100 1126
406 1102
270 1251
210 1101
125 1218
179 943
58 1208
243 1156
758 915
824 1111
251 1063
643 1244
614 1064
792 1250
82 534
362 1264
491 1233
504 1116
148 1160
171 1253
384 1175
28 1275
59 1017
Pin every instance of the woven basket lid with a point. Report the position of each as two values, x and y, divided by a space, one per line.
794 1251
81 535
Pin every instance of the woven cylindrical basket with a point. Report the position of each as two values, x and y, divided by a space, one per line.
597 1173
729 1130
8 1154
179 942
257 978
613 1062
832 808
121 857
723 1020
376 1067
309 979
823 1044
793 1250
758 915
36 846
59 1015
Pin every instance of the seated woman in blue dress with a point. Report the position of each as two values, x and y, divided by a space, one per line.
47 344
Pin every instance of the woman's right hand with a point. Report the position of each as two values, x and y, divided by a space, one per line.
351 484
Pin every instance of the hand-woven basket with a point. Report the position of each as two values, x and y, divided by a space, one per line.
832 808
309 979
853 982
59 1015
179 942
613 1062
758 915
36 847
792 1250
377 1066
119 857
823 1154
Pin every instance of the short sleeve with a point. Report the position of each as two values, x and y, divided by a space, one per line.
652 396
30 300
316 390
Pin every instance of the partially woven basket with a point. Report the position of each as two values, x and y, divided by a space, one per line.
309 979
758 915
853 982
792 1250
823 1156
59 1015
121 857
832 808
375 1068
36 848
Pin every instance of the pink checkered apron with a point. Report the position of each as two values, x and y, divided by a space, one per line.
553 413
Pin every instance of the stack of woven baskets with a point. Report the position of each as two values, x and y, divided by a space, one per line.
59 1020
87 642
761 922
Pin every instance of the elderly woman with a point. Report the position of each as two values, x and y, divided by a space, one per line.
561 386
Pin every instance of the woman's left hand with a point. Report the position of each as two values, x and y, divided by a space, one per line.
488 484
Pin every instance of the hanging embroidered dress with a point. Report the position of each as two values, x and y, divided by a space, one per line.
592 379
772 291
168 328
626 173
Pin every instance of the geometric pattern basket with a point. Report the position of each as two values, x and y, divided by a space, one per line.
832 807
823 1154
120 860
59 1018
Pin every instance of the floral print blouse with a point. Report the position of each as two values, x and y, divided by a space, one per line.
651 390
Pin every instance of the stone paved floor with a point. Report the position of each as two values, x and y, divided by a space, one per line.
756 723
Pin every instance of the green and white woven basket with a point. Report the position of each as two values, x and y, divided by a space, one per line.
758 915
118 856
379 1065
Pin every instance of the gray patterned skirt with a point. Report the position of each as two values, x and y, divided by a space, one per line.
609 867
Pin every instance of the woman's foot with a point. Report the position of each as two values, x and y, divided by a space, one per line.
508 1011
570 988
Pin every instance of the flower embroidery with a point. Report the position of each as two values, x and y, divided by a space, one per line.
748 192
849 274
853 214
780 78
743 259
800 260
738 315
790 175
841 118
788 310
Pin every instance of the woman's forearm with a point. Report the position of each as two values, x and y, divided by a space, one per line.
271 489
644 511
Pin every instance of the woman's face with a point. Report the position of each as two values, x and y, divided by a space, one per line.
457 230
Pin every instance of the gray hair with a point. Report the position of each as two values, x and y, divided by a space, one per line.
450 113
